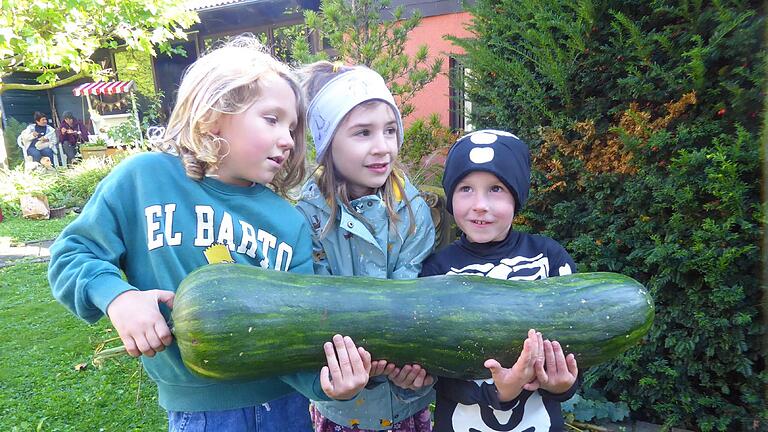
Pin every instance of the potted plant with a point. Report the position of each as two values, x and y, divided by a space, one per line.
93 149
123 136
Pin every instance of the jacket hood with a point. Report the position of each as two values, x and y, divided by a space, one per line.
310 194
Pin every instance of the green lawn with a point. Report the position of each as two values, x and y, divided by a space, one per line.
21 230
42 343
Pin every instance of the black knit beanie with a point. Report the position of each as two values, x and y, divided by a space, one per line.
497 152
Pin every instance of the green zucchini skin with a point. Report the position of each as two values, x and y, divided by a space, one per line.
233 321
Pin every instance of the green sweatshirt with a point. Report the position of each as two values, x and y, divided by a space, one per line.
151 222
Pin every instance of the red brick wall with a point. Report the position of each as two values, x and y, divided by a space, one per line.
434 97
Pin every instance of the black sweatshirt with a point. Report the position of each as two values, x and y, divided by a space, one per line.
474 406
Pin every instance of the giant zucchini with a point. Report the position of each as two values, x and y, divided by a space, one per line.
236 321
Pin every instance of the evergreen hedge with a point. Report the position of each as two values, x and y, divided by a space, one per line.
643 120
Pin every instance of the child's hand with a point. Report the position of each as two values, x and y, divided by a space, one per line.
381 367
139 323
412 377
522 375
348 366
561 371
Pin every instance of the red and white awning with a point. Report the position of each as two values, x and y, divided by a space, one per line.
103 87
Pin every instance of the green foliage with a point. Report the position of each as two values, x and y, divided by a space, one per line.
528 62
76 185
136 66
643 123
426 143
584 409
42 345
68 187
54 40
284 46
11 133
125 133
360 34
151 110
17 182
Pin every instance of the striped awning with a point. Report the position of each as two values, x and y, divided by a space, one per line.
103 87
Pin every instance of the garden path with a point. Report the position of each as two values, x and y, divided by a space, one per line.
28 252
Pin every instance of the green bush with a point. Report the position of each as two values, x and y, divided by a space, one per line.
425 145
643 122
11 133
125 133
16 182
68 187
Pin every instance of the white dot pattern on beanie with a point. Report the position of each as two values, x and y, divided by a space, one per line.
483 138
489 135
480 155
499 152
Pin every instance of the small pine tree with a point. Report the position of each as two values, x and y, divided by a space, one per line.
359 35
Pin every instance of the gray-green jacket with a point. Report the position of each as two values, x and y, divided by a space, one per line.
354 248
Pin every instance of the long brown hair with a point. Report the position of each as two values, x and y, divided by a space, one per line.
331 183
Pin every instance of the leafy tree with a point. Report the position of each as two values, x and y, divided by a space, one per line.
359 35
56 40
136 66
643 120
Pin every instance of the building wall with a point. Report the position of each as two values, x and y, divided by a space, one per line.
434 97
21 104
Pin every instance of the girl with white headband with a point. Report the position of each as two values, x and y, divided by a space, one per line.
367 219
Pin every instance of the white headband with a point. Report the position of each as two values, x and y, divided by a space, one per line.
338 97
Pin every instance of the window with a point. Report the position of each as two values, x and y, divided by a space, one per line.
460 108
279 40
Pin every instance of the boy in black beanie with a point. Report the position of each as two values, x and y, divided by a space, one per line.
486 181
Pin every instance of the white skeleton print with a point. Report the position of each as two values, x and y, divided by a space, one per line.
467 406
532 268
532 416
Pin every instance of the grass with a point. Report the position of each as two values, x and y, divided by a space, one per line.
41 388
20 230
40 385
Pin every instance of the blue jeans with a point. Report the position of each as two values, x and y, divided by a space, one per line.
287 414
38 154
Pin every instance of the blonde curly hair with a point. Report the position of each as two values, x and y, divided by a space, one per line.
227 81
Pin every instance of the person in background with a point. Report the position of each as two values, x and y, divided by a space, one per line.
71 133
39 139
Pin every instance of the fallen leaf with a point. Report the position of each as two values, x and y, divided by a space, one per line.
81 366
